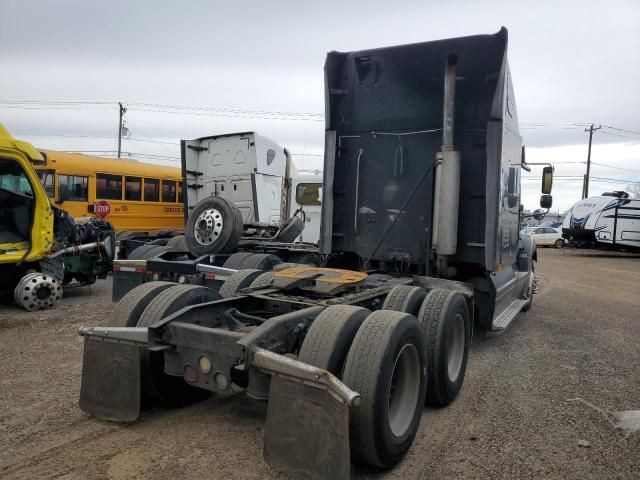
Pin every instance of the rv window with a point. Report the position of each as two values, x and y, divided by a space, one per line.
71 187
151 190
308 193
169 191
108 187
133 188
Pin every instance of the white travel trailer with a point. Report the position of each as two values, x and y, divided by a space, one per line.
611 220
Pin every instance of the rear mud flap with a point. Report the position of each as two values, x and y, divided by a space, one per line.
307 431
110 380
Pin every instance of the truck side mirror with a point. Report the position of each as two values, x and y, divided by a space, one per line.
538 214
547 180
546 201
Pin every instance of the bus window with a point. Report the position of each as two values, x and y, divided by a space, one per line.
151 190
108 187
308 193
179 192
133 188
47 180
71 187
169 191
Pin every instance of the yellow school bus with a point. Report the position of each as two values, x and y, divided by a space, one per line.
132 196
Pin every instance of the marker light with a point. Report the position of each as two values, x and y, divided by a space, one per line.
190 374
205 364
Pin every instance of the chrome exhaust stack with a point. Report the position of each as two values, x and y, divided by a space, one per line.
447 181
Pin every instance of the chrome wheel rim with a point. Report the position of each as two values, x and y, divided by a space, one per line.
455 347
38 291
404 390
208 226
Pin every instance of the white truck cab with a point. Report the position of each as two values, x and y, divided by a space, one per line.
257 175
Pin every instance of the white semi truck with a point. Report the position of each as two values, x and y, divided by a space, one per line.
259 177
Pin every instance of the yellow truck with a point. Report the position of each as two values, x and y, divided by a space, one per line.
42 248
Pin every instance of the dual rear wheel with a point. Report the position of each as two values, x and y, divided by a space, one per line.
145 305
413 351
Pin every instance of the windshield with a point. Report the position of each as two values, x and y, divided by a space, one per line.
13 178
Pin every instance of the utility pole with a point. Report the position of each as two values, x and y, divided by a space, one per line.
123 110
585 188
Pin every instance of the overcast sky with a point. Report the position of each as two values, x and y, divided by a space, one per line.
573 62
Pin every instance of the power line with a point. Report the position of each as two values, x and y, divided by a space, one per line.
135 139
614 180
617 168
225 115
56 102
621 129
622 136
225 110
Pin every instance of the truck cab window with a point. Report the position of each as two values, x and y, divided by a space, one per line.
308 193
14 180
47 180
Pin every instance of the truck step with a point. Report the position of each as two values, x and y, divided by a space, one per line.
502 321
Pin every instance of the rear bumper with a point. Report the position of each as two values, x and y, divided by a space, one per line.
579 234
307 426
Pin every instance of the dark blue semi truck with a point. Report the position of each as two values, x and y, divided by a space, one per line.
420 244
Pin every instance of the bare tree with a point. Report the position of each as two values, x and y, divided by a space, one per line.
634 190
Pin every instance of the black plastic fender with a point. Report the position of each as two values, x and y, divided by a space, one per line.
527 252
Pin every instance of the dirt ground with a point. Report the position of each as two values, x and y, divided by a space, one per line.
517 415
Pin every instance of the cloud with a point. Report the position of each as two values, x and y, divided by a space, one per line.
571 63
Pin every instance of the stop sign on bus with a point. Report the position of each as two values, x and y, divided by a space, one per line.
102 208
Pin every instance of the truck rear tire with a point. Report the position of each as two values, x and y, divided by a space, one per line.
330 336
129 309
290 230
214 226
404 298
386 364
236 260
170 390
445 320
261 261
264 280
239 280
177 242
143 251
